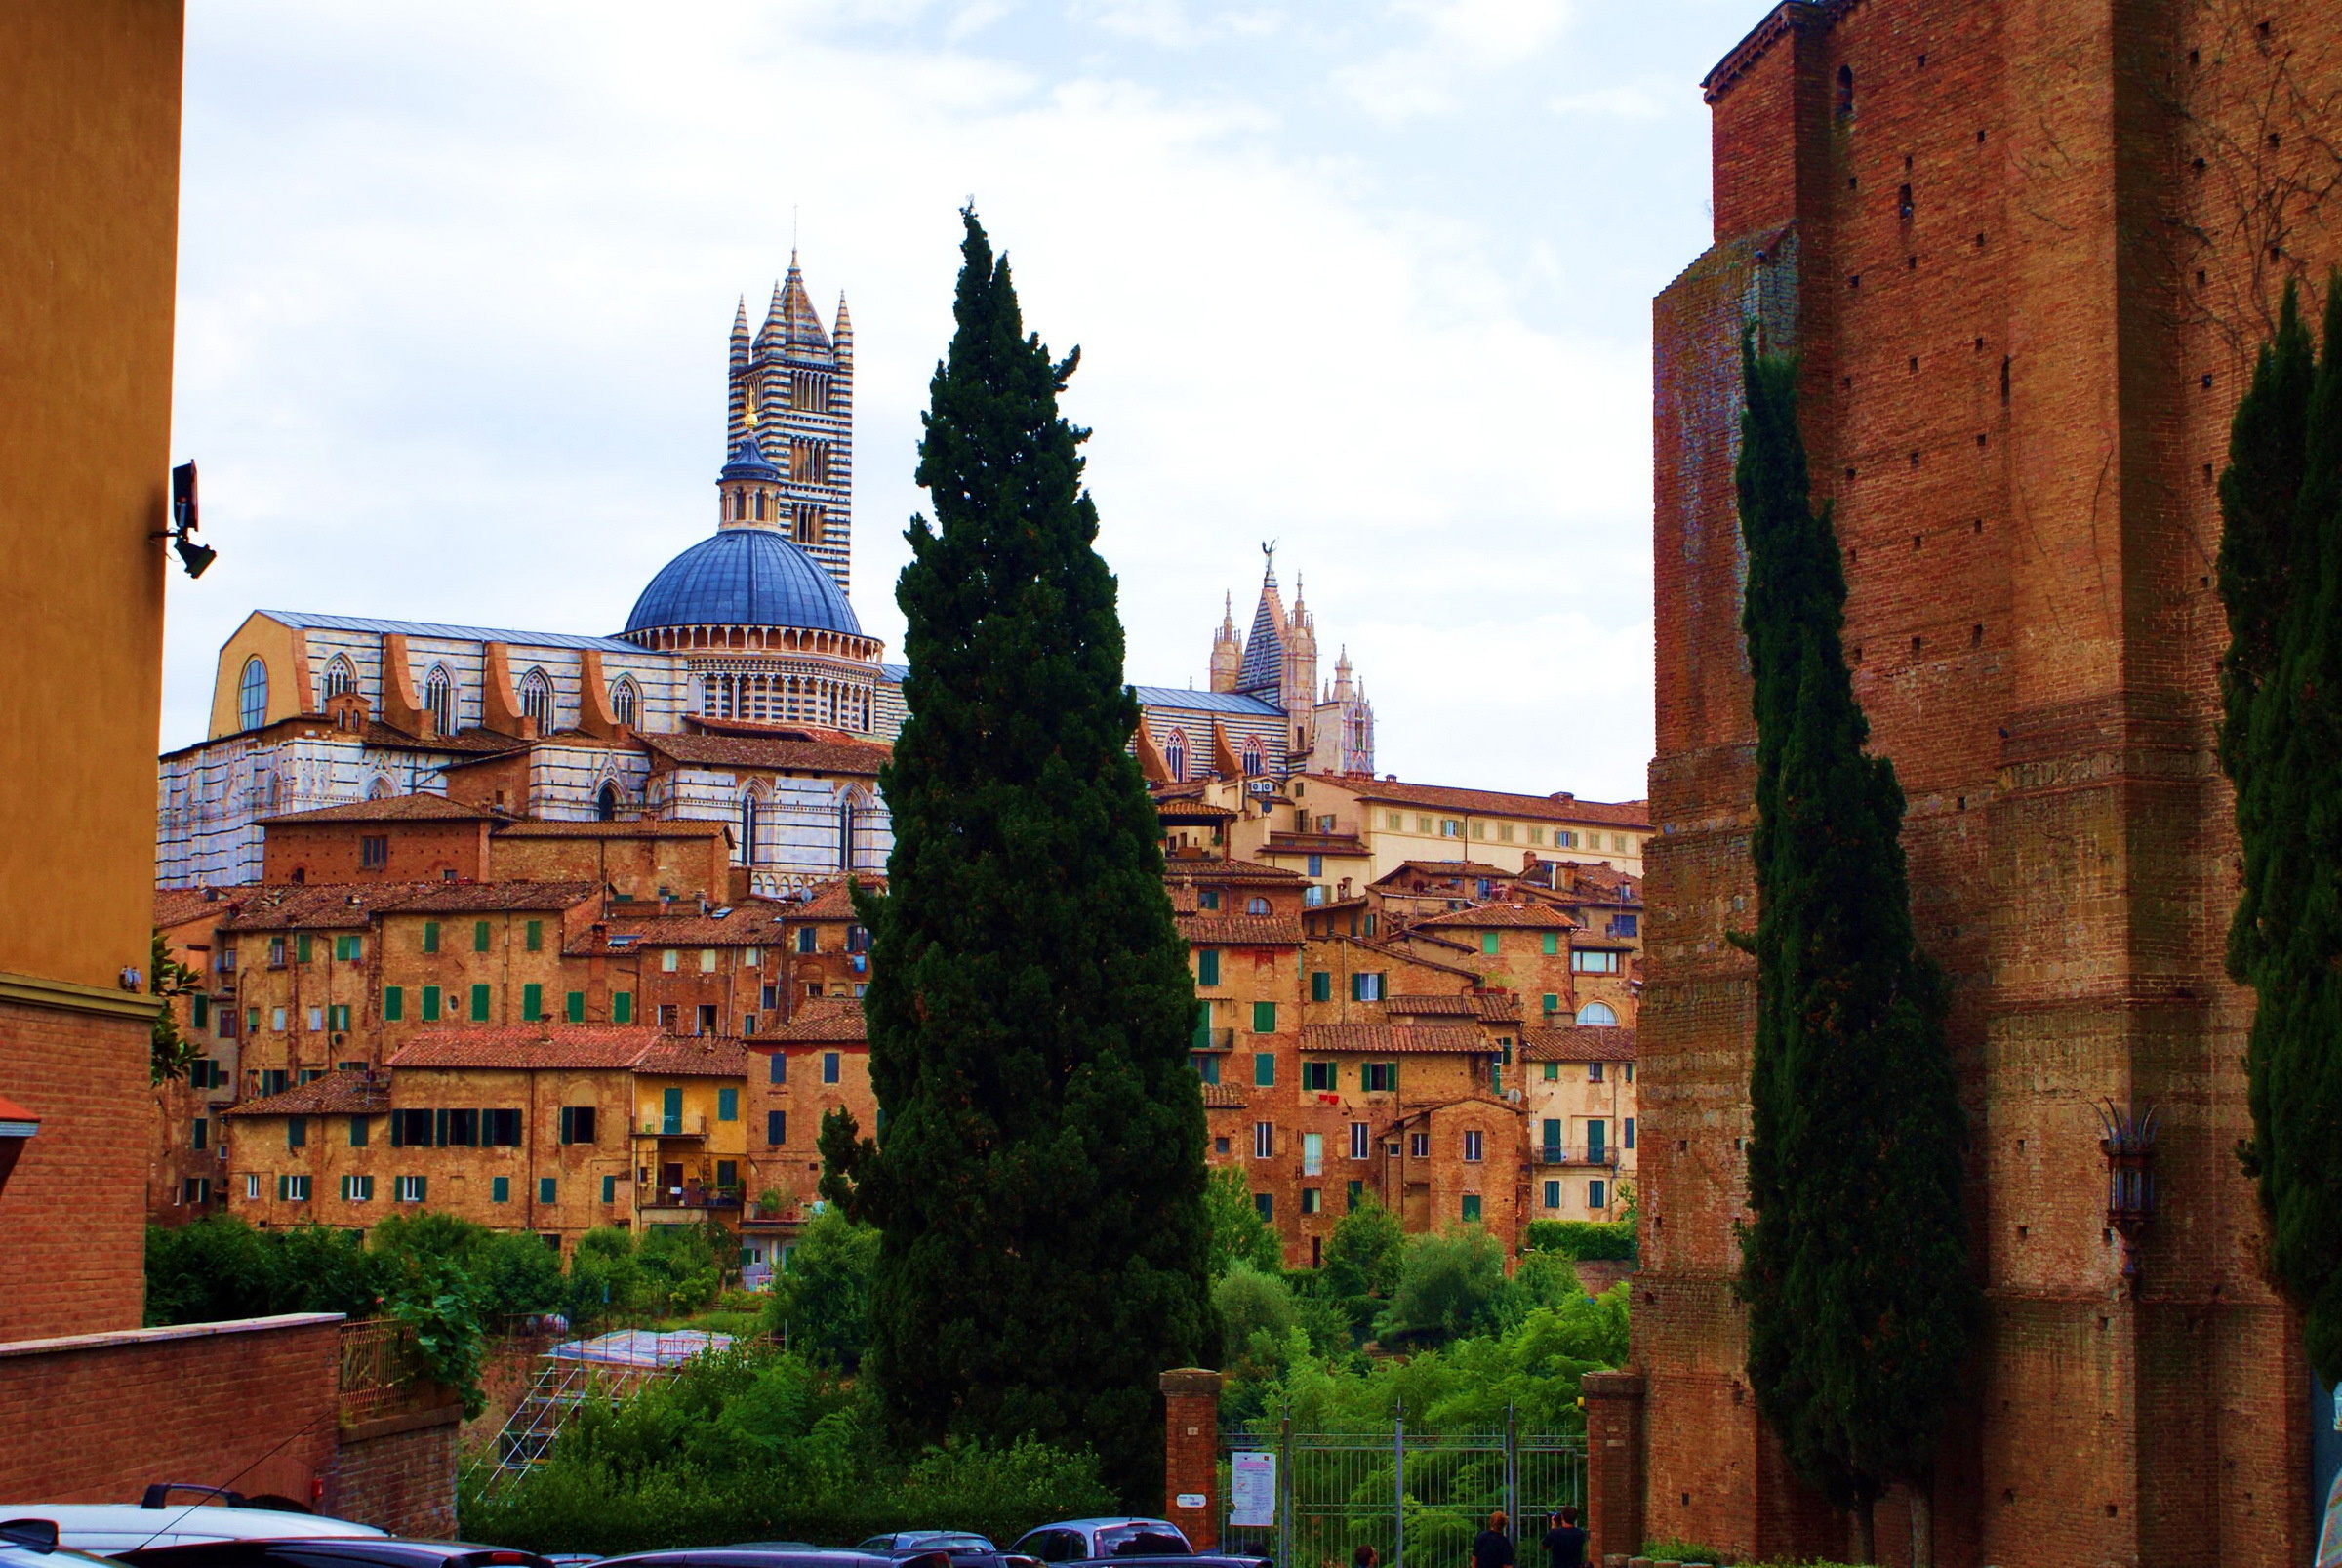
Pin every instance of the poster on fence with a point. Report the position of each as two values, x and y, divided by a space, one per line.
1252 1490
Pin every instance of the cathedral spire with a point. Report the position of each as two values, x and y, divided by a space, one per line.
842 335
1228 648
799 320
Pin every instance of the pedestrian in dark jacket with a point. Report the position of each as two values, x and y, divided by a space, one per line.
1492 1547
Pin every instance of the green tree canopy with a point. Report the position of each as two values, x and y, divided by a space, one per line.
1039 1179
1450 1286
2287 758
1239 1232
1861 1300
823 1303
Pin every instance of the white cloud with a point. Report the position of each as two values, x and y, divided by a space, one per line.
455 282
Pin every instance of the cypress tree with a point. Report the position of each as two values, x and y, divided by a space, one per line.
2258 493
1039 1174
2288 929
1855 1267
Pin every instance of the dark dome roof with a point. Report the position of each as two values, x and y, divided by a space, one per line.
744 577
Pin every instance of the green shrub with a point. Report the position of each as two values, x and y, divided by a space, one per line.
1585 1240
1668 1549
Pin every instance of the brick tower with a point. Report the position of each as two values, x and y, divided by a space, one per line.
791 385
2026 249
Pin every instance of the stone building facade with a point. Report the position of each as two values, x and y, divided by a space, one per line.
2026 253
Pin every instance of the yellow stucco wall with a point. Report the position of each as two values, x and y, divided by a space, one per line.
89 220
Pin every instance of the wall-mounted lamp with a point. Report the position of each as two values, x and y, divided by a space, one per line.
2129 1149
197 559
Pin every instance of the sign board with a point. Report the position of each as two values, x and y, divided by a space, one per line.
1252 1491
1193 1499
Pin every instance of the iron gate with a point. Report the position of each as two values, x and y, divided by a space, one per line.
1417 1498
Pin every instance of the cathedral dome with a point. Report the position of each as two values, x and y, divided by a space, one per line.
744 577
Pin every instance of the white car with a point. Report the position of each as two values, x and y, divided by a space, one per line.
106 1528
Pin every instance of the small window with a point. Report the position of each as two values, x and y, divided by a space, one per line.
252 696
548 1190
707 960
1551 943
1321 985
1379 1077
357 1189
1488 944
1207 1066
1361 1140
292 1189
358 1131
776 1127
479 1004
573 1006
252 1187
707 1019
410 1190
1317 1076
1367 988
300 948
1625 1132
1357 1195
670 959
479 936
1264 1070
776 1070
1256 905
1845 92
830 1060
297 1132
1471 1207
1474 1145
1264 1140
394 1003
373 852
430 936
1207 898
1553 1194
1598 1194
609 1190
1264 1018
200 1136
577 1124
1265 1204
500 1189
1391 820
430 1004
1311 1200
1598 1014
535 936
808 940
1419 1145
532 1001
727 1104
1593 1072
621 1007
1207 966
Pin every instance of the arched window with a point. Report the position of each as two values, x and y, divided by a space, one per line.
536 699
1252 756
381 790
339 678
1174 757
439 696
1596 1013
605 803
625 702
1256 905
252 695
747 829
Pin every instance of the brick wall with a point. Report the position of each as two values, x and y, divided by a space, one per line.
399 1474
2017 373
72 1215
94 1418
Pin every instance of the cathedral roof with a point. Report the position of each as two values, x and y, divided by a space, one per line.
748 462
1264 649
744 577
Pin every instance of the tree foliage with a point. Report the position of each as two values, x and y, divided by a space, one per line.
1861 1302
2282 743
1239 1232
821 1308
171 1053
1450 1286
1039 1181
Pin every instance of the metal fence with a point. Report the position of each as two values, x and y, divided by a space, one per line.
1417 1498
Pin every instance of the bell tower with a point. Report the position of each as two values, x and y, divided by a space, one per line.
790 387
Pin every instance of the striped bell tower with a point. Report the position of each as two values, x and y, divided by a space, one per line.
791 386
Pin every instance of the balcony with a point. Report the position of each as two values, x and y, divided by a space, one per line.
688 1204
1606 1157
693 1125
1213 1040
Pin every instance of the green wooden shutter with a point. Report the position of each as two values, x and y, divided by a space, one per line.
430 936
479 936
1207 966
621 1007
574 1007
430 1004
394 1003
532 1001
536 935
479 1004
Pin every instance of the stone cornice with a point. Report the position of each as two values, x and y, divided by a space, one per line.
34 991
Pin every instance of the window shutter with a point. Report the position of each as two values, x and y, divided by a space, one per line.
394 1003
479 1004
776 1127
430 936
536 935
479 936
621 1007
532 1001
573 1007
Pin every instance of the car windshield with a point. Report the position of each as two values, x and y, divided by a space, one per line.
1141 1541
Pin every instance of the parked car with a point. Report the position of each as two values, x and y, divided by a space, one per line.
1124 1542
776 1554
110 1528
331 1552
955 1543
33 1543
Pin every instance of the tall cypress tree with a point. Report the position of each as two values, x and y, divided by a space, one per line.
2288 930
2258 494
1039 1172
1855 1267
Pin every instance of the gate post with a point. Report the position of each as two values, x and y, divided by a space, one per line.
1613 1463
1192 1454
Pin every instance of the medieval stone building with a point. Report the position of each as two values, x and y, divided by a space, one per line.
2026 251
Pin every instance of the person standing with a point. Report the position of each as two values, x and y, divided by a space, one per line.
1565 1542
1492 1547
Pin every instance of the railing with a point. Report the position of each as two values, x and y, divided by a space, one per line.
685 1197
1214 1040
1556 1154
383 1373
694 1125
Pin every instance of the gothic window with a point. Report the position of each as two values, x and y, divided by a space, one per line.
252 695
709 686
380 790
339 678
1252 756
747 829
1174 757
605 803
536 699
439 696
625 702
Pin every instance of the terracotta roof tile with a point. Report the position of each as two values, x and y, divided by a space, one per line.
831 900
1394 1038
751 923
467 897
1315 844
337 1093
1578 1042
1206 868
177 906
1224 1096
1483 916
1494 802
484 742
771 751
531 1047
323 906
394 809
825 1021
1500 1008
1449 870
713 1057
1212 928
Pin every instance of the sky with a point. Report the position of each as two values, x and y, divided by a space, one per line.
1369 280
